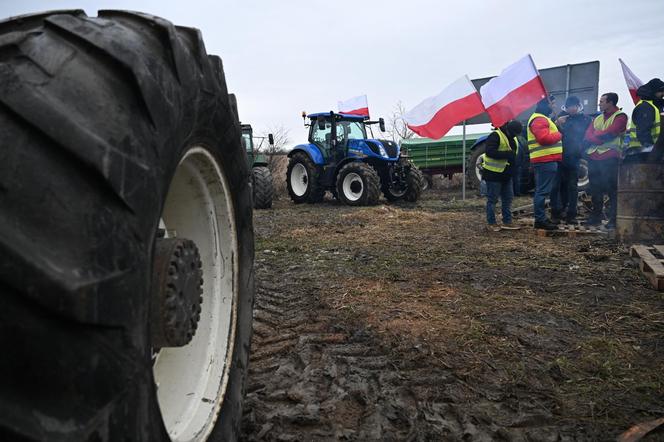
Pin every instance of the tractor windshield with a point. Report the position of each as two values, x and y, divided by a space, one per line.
247 142
351 130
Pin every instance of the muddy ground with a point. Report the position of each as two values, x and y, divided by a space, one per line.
411 322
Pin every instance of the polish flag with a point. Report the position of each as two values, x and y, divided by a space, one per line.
517 88
435 116
355 106
632 81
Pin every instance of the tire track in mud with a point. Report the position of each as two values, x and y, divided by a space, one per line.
314 376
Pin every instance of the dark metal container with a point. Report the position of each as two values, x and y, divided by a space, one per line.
641 202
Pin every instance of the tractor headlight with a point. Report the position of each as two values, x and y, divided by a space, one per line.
382 151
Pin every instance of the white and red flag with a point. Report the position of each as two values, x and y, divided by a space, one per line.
435 116
355 106
517 88
633 82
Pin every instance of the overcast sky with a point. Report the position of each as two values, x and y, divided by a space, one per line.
283 57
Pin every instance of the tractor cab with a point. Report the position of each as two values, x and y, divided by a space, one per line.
255 158
331 132
336 135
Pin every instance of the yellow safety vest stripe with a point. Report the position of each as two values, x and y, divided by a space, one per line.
498 164
536 149
600 124
654 131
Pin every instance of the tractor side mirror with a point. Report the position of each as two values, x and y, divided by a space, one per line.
270 139
381 124
321 123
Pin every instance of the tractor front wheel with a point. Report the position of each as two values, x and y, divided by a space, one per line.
414 184
358 184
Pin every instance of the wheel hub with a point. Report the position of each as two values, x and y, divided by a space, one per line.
177 288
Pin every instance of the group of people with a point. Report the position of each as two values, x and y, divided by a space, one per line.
556 145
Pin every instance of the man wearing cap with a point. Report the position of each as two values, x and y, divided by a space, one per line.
646 119
573 124
546 151
499 164
605 137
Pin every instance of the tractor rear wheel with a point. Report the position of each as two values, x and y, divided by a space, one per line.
122 182
263 187
583 181
358 184
302 179
474 167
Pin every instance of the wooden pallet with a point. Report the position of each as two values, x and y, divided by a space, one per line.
574 230
650 264
581 229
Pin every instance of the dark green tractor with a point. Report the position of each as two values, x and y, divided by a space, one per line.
262 177
263 187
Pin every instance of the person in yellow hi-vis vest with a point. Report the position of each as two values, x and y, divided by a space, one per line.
646 120
605 137
498 168
546 151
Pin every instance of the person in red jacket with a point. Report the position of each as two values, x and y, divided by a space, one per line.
605 137
546 150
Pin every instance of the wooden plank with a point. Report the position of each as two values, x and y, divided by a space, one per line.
651 267
634 250
652 264
660 248
583 230
657 282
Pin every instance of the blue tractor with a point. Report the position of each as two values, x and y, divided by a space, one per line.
341 159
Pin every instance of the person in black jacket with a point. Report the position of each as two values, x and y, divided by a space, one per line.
645 127
573 124
499 161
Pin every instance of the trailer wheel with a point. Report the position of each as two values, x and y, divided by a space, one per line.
358 184
263 187
122 181
473 168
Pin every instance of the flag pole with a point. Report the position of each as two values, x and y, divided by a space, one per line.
463 163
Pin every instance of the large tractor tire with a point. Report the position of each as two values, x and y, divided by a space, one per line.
415 180
358 184
125 227
263 187
303 180
428 182
583 182
473 167
414 185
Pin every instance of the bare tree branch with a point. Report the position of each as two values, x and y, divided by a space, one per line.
396 126
272 152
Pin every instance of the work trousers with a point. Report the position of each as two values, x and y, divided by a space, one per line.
545 174
603 176
504 191
565 190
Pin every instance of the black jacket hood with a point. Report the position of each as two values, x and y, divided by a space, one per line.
648 90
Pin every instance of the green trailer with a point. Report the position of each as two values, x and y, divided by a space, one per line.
440 157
